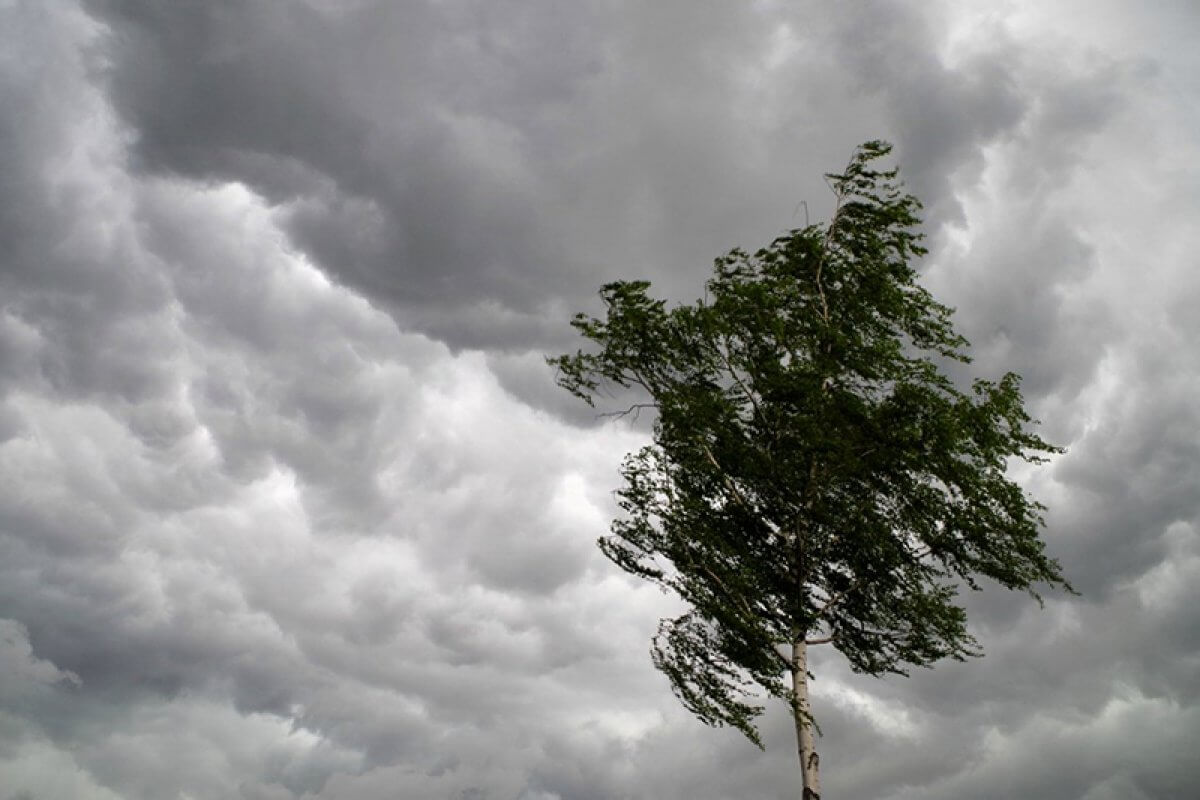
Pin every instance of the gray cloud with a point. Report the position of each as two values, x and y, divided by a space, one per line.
289 505
473 167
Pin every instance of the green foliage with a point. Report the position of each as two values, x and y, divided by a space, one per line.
813 474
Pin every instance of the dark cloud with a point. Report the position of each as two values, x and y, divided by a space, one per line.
473 167
289 503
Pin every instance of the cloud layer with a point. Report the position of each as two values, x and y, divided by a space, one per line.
290 507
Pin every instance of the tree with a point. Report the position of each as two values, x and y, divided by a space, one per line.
815 477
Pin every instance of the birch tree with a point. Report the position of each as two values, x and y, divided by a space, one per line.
815 478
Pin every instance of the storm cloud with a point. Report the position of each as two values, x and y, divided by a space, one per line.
289 503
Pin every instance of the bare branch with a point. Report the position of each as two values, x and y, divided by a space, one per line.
634 409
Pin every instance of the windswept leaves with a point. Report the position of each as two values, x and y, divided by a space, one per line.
813 472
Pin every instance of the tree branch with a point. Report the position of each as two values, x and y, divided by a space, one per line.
835 598
729 484
825 245
724 590
634 409
723 352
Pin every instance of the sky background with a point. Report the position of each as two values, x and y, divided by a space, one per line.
291 507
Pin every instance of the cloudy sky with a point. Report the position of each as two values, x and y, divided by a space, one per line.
290 506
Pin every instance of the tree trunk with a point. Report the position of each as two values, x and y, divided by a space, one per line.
802 714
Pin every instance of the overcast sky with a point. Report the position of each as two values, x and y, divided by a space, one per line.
290 506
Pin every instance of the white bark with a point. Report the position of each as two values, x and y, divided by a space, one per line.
802 713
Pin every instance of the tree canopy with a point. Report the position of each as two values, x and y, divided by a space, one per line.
815 476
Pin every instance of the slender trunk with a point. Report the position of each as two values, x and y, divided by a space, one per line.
802 714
